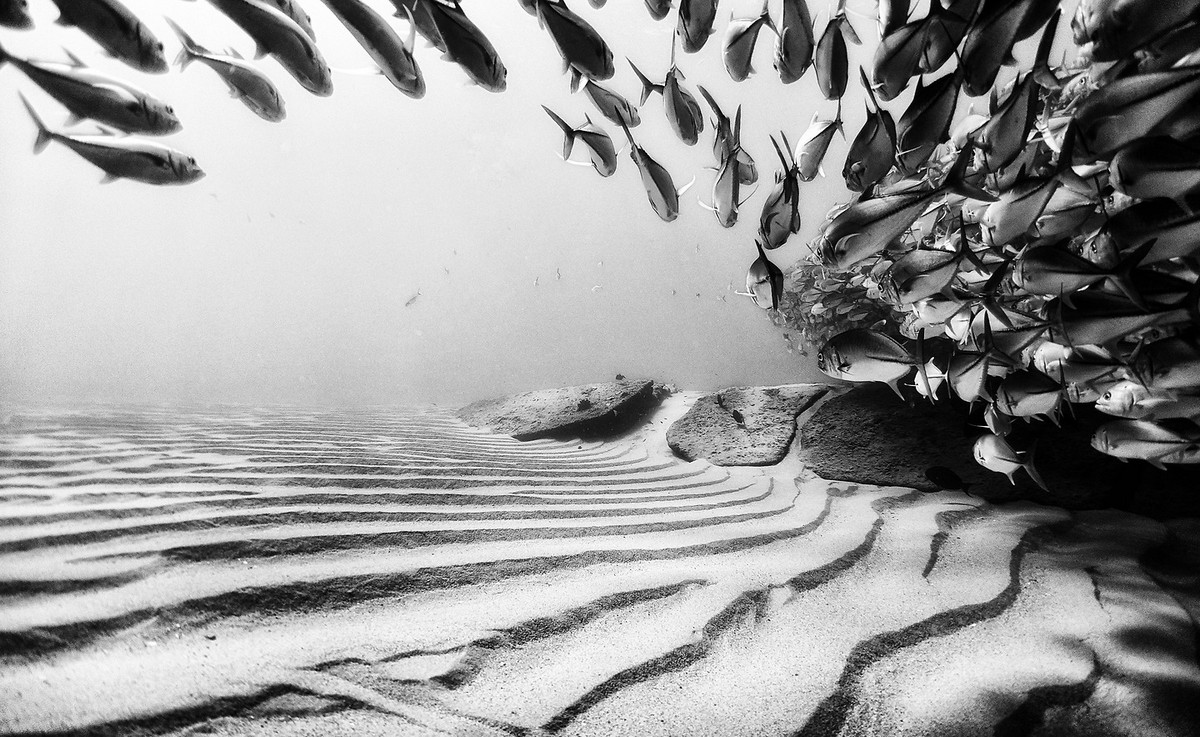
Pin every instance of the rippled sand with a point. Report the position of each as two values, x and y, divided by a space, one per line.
277 572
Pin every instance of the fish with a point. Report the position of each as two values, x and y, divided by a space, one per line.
601 150
996 421
1029 394
1015 211
740 40
781 211
929 380
683 112
924 272
1174 231
612 105
660 189
1004 134
737 417
1146 440
873 150
794 43
292 9
278 35
245 81
863 354
764 274
393 56
1099 318
1087 367
869 225
989 42
892 14
120 157
945 479
727 191
926 122
1156 166
105 99
1131 107
579 44
995 454
1052 270
968 370
812 146
1132 401
117 30
467 47
418 13
900 55
831 59
727 140
15 14
1115 28
1068 212
658 9
1168 364
696 18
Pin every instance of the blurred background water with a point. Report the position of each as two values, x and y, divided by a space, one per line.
288 273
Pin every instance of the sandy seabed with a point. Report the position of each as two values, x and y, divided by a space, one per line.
290 573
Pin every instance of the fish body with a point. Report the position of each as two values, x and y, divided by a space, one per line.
874 148
727 192
1115 28
863 354
246 82
1051 270
280 36
1099 318
579 44
794 44
740 40
601 151
696 18
658 9
764 281
1003 136
1029 394
989 42
919 274
683 112
811 148
995 454
1146 440
1169 364
726 141
781 211
1174 231
1158 166
105 99
1131 107
1018 208
1068 212
118 30
612 105
393 56
468 47
292 9
418 13
1132 401
926 122
831 57
892 14
128 158
996 421
660 189
15 14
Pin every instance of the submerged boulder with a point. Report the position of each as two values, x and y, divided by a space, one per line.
867 435
586 411
742 426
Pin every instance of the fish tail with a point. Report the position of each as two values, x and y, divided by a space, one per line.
711 102
568 132
189 47
1032 471
647 85
956 180
1122 275
3 56
44 136
1041 65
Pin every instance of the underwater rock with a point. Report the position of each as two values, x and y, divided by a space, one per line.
586 411
868 436
711 428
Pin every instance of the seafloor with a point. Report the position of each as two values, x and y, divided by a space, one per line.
383 573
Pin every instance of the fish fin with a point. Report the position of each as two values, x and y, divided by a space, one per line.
74 118
411 42
686 187
922 374
955 180
895 385
568 132
260 51
647 85
109 178
706 206
75 60
1122 276
1157 463
576 78
1033 472
821 169
44 136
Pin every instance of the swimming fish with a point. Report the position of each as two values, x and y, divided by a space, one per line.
15 14
1169 364
1052 270
418 12
923 272
727 140
1130 108
1157 166
683 112
660 189
1114 28
794 43
873 150
1133 401
579 44
862 354
118 30
105 99
727 191
892 14
393 56
1004 134
781 211
467 46
832 61
612 105
128 158
600 147
696 18
995 454
740 39
658 8
764 276
246 82
1173 229
811 148
996 421
1029 394
989 42
292 9
1100 318
280 36
926 122
1146 440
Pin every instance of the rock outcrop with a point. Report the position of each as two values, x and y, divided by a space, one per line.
742 426
586 411
867 435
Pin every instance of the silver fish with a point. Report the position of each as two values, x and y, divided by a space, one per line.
1114 28
105 99
1130 108
393 56
1145 440
1133 401
420 14
660 189
1157 166
811 148
874 148
118 30
727 140
863 354
683 112
1052 270
658 9
740 40
781 212
128 158
600 147
578 43
764 276
292 9
926 122
612 105
246 82
989 43
832 61
1029 394
1100 318
280 36
1173 230
794 44
1003 136
696 18
467 47
995 454
1168 364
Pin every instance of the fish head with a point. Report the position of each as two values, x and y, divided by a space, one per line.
829 360
150 51
1000 424
185 167
1121 399
161 117
1102 442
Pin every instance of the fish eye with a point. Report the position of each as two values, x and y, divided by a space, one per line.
1107 395
160 46
170 109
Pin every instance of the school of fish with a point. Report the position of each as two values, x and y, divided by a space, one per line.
1037 253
